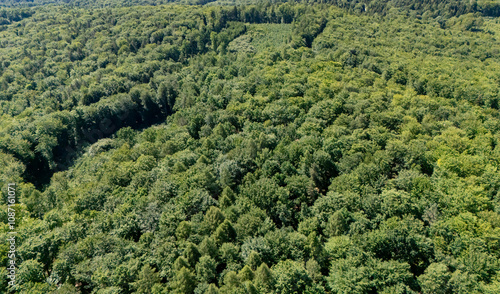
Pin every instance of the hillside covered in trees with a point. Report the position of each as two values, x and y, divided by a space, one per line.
336 147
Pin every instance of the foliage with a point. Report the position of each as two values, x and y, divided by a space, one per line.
334 147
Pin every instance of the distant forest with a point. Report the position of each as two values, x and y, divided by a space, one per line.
251 147
445 8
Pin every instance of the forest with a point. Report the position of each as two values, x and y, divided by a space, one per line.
239 146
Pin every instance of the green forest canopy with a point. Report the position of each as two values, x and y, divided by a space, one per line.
336 147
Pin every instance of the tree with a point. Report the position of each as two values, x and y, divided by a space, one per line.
264 279
230 173
191 254
253 260
338 223
208 247
212 289
246 274
314 270
227 197
206 269
30 271
291 277
435 279
184 282
213 218
183 230
166 95
231 281
148 277
181 262
224 233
